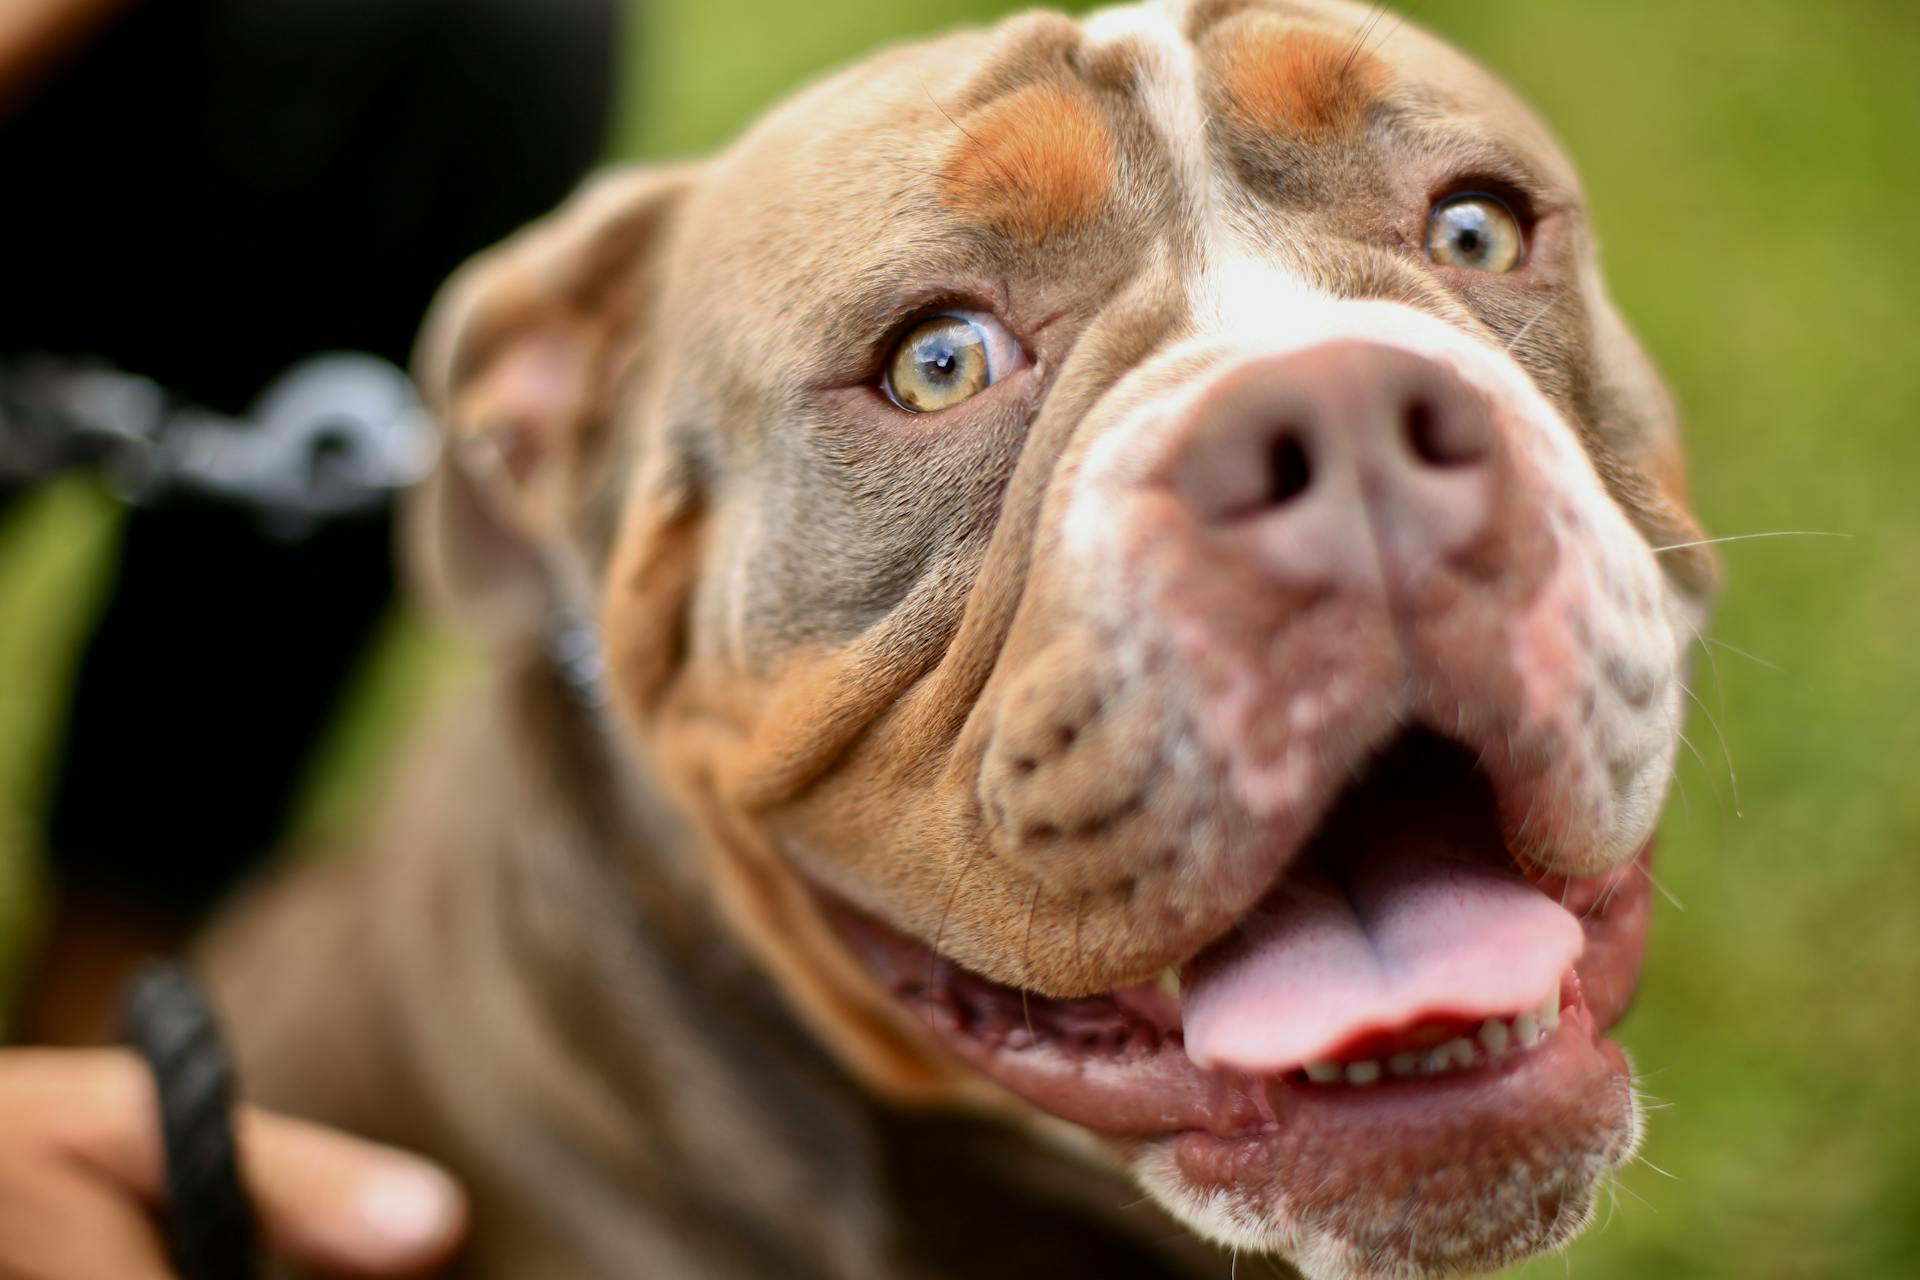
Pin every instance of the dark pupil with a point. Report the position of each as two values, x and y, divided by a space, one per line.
1471 242
939 362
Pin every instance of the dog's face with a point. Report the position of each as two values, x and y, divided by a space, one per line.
1151 561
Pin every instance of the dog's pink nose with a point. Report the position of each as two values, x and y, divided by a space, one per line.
1331 463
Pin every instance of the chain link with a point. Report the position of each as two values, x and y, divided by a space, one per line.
333 437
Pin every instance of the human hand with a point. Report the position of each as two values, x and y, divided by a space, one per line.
35 34
83 1179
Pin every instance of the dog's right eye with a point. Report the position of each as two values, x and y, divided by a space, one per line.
1475 231
945 359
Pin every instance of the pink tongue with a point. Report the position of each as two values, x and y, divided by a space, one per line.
1404 929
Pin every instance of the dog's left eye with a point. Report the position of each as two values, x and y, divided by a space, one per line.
1478 232
945 359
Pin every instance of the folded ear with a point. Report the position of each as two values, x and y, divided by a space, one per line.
525 354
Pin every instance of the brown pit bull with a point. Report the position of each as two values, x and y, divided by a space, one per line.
1141 590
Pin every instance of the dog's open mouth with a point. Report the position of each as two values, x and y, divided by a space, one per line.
1404 981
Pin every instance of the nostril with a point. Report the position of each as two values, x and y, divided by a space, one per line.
1442 439
1289 472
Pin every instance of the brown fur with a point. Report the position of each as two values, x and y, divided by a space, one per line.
1030 166
1297 84
580 961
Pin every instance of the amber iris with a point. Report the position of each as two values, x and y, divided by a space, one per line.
937 363
1477 232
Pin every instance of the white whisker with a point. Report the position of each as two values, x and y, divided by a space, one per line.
1657 1169
1665 892
1706 769
1520 333
1696 753
1620 1185
1736 650
1749 537
1733 777
1686 801
1713 663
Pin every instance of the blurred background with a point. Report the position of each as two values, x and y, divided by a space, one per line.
1751 167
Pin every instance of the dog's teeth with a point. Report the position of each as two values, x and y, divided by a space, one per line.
1169 982
1494 1035
1494 1038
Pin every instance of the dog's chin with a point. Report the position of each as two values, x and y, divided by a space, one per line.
1413 1179
1451 1141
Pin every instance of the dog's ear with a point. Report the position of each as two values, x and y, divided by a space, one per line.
523 360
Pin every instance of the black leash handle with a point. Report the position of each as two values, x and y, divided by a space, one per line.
168 1021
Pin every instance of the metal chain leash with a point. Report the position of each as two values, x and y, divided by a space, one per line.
333 437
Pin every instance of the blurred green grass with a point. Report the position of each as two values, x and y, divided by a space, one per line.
1751 165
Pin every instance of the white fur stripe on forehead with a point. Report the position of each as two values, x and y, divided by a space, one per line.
1230 280
1169 82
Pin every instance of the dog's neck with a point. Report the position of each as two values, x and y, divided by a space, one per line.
651 999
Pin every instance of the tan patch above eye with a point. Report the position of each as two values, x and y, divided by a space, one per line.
1299 84
1030 165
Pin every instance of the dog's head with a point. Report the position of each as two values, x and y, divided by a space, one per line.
1158 574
